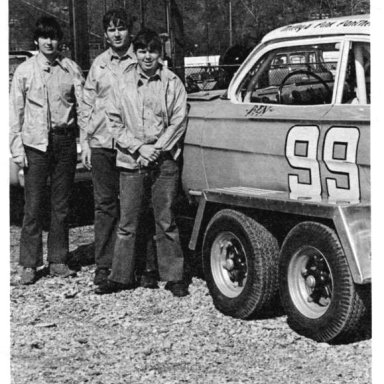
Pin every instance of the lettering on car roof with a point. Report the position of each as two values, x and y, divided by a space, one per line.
326 24
341 25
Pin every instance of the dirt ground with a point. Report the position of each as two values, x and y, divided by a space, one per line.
61 332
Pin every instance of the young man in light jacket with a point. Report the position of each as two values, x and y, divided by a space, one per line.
148 121
45 99
97 144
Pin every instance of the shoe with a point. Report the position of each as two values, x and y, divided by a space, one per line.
60 270
110 286
178 288
101 276
28 276
149 280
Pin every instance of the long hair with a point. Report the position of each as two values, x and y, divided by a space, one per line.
47 26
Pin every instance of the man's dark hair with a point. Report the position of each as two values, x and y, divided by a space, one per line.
47 26
118 17
147 38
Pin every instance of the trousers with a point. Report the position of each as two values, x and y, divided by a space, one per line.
137 189
105 178
58 164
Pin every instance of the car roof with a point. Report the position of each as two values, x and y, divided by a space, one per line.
22 53
347 25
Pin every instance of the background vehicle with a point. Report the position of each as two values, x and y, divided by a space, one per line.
16 58
279 170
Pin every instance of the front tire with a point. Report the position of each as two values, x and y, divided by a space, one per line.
316 287
240 262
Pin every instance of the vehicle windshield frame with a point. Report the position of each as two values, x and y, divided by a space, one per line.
235 87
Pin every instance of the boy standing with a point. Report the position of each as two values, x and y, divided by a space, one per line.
45 95
98 149
148 120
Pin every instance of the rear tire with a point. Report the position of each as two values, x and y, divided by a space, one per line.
316 287
240 263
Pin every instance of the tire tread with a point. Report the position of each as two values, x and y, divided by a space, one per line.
351 308
259 294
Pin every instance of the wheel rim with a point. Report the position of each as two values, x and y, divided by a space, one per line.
310 282
228 264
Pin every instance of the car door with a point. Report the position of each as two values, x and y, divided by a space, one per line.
249 142
345 150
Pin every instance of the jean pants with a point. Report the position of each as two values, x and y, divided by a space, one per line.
59 164
137 189
105 178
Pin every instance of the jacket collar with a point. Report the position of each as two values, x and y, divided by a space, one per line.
45 64
165 74
106 59
141 74
112 55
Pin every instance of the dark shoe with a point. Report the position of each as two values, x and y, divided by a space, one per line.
149 280
28 276
60 270
178 288
101 276
110 286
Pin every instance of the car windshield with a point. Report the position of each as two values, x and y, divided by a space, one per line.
293 75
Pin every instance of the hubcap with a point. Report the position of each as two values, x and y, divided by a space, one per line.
228 264
310 282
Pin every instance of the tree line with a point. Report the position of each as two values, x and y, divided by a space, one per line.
210 26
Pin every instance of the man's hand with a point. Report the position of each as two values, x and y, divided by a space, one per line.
21 160
142 162
149 152
86 156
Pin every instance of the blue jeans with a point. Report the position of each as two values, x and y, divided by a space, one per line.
137 189
105 178
59 164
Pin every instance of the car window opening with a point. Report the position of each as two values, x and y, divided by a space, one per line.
302 75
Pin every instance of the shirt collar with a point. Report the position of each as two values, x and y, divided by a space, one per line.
46 64
115 56
142 75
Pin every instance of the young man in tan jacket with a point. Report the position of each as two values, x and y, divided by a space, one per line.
45 102
98 145
148 120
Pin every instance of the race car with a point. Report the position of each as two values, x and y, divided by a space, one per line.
278 168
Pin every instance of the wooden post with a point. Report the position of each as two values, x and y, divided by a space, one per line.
78 17
142 10
230 24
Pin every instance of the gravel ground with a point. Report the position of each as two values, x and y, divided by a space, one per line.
61 332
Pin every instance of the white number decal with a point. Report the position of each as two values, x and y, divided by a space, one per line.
301 151
339 156
344 164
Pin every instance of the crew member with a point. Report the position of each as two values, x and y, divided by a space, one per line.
148 120
45 97
98 146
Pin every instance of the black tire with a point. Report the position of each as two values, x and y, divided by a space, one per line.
248 282
316 287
